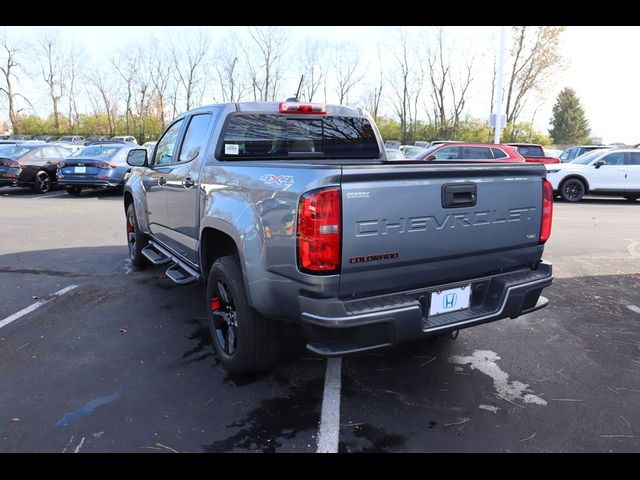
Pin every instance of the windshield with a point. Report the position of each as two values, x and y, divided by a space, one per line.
97 151
589 157
425 153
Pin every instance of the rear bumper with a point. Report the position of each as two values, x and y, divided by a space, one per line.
338 328
88 183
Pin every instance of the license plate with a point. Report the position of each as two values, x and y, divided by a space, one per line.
80 170
450 300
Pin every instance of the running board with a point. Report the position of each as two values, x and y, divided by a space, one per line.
154 256
179 272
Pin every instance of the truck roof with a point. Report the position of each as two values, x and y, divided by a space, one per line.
274 107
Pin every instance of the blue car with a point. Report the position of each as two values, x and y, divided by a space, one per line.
102 166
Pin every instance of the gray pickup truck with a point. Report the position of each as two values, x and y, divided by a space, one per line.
289 212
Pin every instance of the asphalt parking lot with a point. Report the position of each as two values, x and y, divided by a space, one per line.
119 360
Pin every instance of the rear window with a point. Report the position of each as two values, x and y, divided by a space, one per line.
530 150
97 151
280 136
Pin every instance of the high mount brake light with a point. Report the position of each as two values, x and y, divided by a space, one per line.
295 107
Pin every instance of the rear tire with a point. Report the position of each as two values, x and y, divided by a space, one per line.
572 190
42 182
244 340
632 198
73 191
136 239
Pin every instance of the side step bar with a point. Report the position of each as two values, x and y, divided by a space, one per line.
179 272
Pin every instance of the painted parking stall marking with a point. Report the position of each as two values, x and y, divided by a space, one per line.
35 306
330 417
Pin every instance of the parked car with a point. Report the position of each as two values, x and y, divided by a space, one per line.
29 164
487 152
421 144
149 146
408 151
74 139
440 142
322 233
45 138
613 172
574 152
96 138
125 138
393 154
22 138
533 153
101 166
392 144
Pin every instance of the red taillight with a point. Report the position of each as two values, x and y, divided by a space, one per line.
295 107
8 163
319 219
547 210
105 165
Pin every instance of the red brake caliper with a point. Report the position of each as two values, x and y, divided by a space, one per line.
130 227
215 304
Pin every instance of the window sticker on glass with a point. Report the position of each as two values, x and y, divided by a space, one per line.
231 149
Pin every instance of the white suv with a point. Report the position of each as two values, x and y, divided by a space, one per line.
613 172
125 138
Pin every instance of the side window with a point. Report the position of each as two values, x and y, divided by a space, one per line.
448 153
50 152
477 153
195 138
166 145
634 158
616 158
498 153
63 152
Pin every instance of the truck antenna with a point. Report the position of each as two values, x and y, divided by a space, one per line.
299 86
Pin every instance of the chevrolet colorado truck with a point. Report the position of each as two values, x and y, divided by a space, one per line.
289 212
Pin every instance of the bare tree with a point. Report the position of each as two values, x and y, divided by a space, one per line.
74 60
346 63
53 69
9 68
373 94
189 60
104 92
160 75
534 55
313 63
126 65
265 71
234 84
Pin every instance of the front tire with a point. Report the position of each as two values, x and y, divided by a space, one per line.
632 198
42 182
136 239
572 190
244 340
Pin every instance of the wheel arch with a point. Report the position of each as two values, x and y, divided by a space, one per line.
575 176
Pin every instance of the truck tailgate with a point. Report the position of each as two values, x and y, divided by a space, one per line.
407 226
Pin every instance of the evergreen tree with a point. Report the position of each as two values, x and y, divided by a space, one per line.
569 124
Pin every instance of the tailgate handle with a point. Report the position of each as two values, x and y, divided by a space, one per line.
456 195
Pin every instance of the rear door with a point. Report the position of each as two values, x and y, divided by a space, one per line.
155 181
610 176
632 184
477 153
407 226
182 185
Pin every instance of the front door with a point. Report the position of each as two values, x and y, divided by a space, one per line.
182 187
155 181
611 175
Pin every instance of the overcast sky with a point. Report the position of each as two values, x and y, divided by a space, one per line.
599 64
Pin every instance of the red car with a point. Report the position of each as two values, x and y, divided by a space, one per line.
484 152
533 153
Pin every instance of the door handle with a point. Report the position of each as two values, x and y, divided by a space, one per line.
188 182
162 181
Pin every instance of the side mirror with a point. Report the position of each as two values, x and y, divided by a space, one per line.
137 157
599 163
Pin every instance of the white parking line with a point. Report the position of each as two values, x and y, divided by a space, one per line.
38 304
633 308
329 433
